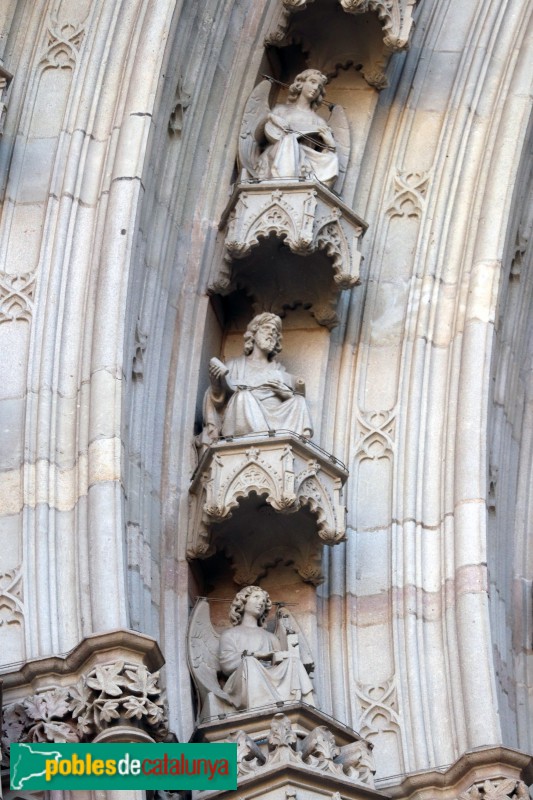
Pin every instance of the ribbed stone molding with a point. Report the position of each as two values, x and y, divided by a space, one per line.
285 470
310 220
106 689
395 16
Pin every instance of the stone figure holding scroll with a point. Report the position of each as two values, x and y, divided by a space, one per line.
254 393
291 140
258 667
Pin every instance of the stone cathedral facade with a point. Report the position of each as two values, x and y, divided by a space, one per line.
266 388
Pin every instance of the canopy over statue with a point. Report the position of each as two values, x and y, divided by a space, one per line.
257 667
254 393
292 140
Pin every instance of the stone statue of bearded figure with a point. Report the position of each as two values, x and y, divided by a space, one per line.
254 393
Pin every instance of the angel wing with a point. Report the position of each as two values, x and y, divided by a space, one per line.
287 629
338 122
255 113
202 651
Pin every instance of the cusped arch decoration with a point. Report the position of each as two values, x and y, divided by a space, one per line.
395 16
269 467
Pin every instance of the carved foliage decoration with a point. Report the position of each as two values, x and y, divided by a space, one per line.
248 567
111 694
409 192
16 296
496 790
317 751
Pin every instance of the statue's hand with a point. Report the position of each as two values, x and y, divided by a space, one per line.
218 372
280 389
279 655
327 136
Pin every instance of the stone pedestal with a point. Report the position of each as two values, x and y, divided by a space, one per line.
294 751
283 471
290 242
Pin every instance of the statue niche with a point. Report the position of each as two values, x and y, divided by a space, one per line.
247 666
292 140
254 393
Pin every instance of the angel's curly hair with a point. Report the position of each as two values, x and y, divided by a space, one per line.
254 326
236 611
295 89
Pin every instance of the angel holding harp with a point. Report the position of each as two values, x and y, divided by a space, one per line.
256 667
292 140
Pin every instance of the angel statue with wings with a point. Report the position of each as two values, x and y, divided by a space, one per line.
247 666
292 140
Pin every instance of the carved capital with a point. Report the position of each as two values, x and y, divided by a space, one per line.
110 697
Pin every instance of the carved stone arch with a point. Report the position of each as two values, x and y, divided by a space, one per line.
509 477
251 477
395 16
273 219
331 239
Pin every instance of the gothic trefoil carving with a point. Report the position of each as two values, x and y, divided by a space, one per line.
62 45
376 432
16 296
409 193
379 707
11 604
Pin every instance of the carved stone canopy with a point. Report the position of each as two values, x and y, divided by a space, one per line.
395 16
283 471
290 242
296 749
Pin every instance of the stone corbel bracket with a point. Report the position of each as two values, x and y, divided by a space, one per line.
310 220
395 16
287 471
5 82
298 749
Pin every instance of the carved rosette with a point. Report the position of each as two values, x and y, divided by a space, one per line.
115 700
288 471
307 218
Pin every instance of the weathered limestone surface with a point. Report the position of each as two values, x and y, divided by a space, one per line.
116 158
